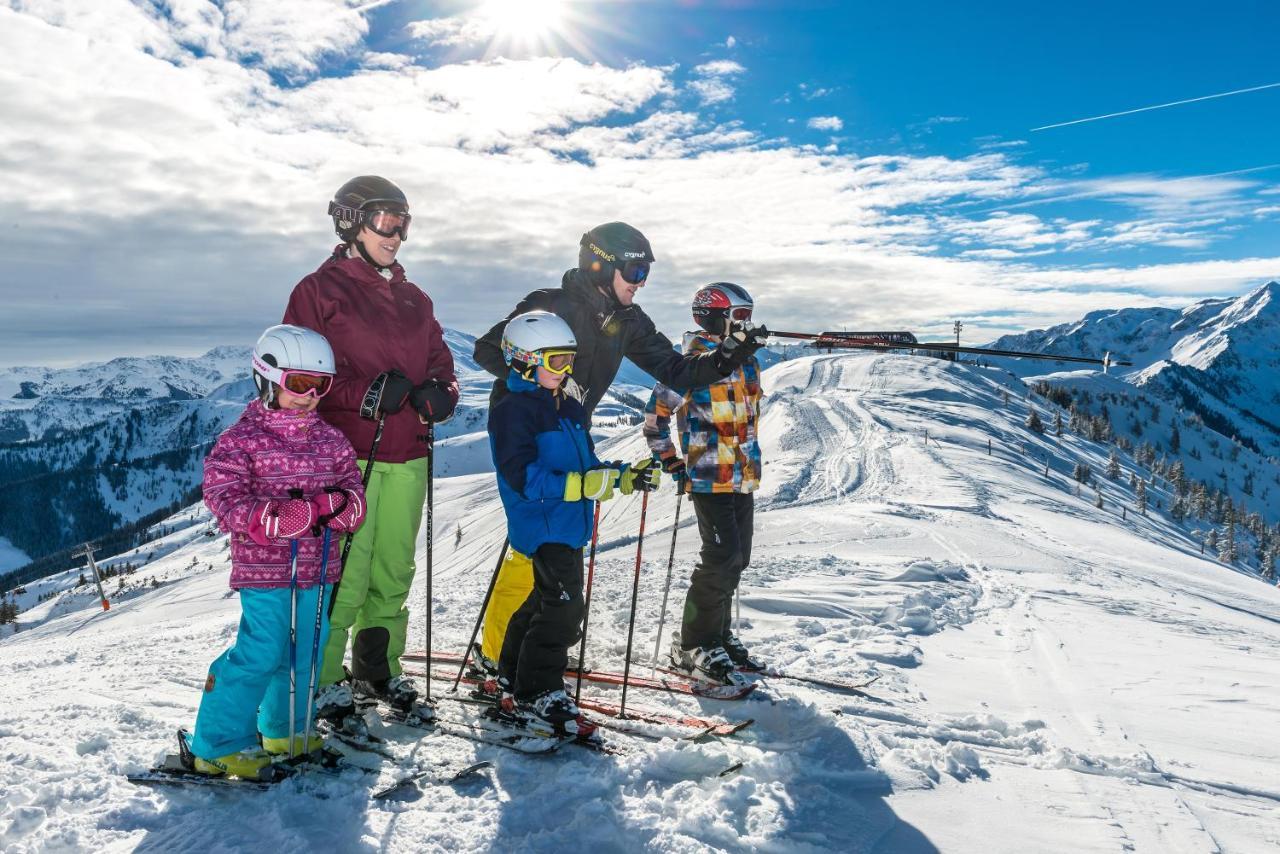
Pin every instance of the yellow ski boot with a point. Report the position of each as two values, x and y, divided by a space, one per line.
301 746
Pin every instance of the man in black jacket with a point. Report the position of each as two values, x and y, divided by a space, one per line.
597 300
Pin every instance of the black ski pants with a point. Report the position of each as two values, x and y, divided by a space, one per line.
725 521
535 650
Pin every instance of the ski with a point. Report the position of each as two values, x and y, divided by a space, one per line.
829 684
172 772
703 727
591 741
624 725
474 731
417 776
681 685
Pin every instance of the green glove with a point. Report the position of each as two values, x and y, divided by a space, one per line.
593 485
644 476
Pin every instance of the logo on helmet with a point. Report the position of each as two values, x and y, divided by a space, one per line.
637 255
605 255
710 298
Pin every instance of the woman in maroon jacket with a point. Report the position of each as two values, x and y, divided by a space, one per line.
392 364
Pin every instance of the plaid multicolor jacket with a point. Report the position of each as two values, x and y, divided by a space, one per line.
717 426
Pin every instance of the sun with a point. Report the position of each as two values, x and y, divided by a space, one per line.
525 22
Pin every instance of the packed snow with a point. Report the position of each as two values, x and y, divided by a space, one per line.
1052 676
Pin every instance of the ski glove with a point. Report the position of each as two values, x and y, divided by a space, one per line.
433 401
593 485
742 342
642 476
386 395
286 520
675 467
339 509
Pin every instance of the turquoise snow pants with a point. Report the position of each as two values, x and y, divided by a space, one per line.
247 690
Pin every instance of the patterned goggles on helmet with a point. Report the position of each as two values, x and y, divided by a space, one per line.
741 313
381 221
635 272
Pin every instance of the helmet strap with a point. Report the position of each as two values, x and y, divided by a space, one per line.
365 255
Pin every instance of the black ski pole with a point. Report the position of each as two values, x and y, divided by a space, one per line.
635 594
586 604
431 459
466 656
364 479
666 591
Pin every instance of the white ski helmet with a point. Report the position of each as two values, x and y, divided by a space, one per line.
530 338
288 348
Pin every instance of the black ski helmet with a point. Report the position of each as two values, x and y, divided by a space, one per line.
609 247
363 193
717 303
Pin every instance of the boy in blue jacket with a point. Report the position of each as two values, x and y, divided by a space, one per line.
548 478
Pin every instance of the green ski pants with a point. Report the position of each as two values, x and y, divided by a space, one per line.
370 602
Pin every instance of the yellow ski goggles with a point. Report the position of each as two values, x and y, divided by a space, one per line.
557 361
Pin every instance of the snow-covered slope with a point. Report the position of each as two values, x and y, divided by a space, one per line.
1052 677
1217 357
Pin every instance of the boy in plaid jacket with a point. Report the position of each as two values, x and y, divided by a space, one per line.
720 469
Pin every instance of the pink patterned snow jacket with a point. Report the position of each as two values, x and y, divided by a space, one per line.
252 468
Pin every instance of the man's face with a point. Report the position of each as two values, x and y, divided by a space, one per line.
625 291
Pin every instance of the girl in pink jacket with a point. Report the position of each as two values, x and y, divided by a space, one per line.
275 480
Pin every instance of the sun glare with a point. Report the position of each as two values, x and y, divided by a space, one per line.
524 20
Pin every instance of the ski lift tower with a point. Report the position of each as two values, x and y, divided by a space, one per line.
957 326
86 552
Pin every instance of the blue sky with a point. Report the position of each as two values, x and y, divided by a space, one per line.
163 184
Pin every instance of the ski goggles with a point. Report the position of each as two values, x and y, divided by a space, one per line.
557 361
740 313
305 383
635 272
380 221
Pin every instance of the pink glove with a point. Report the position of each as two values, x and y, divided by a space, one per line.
281 520
344 508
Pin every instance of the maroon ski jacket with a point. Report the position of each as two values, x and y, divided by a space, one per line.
373 325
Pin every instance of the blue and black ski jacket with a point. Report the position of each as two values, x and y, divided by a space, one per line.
537 438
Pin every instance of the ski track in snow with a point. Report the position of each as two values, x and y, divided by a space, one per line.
1049 680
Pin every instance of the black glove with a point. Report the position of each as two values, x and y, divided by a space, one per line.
675 467
386 394
742 342
433 401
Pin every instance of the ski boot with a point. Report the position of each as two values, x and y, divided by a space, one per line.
252 763
554 713
335 703
740 655
480 665
708 664
399 693
301 746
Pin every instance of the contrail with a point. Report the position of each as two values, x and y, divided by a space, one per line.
1158 106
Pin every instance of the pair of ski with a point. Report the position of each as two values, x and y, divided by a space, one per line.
177 769
632 722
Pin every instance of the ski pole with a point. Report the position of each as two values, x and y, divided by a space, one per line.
293 641
466 656
635 594
368 471
431 460
315 641
671 562
586 604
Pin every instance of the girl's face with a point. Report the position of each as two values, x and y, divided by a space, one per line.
287 400
549 380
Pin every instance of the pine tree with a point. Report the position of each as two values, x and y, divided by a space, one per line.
1212 542
1057 423
1227 549
1175 440
1034 424
1113 466
1097 497
1179 510
1140 498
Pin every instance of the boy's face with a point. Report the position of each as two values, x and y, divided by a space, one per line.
548 379
287 400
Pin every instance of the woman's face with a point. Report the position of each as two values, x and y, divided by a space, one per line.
381 249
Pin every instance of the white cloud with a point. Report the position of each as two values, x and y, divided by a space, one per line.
730 42
194 189
454 31
831 123
712 87
719 68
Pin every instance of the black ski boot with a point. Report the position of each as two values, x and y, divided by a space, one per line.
740 655
708 664
399 693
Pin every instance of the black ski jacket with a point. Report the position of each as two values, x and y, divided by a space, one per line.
605 333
